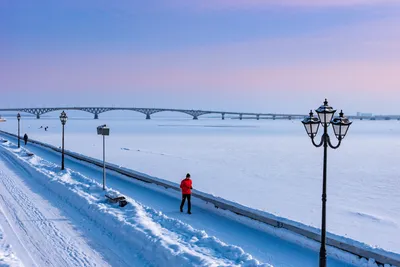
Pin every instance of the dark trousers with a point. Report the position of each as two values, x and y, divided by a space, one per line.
26 141
184 197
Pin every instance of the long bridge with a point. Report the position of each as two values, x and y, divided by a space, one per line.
194 113
150 111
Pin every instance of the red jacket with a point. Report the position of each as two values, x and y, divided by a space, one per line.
186 186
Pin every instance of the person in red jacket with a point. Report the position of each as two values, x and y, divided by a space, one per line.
186 186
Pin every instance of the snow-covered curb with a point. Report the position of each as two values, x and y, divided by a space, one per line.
281 227
161 240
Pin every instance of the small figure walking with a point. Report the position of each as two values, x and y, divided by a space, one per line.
26 138
186 186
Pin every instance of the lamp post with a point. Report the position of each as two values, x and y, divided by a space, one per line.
19 119
104 131
340 127
63 119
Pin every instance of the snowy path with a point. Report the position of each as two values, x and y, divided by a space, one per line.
44 231
40 234
262 246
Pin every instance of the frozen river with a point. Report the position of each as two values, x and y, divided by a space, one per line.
267 165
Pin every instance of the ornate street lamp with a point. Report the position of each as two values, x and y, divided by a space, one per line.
340 127
63 119
19 118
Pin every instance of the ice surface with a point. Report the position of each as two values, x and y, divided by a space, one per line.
267 165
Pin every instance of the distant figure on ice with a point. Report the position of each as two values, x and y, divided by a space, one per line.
186 186
26 138
46 128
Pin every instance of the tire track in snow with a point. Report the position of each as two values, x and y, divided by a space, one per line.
7 255
5 223
37 233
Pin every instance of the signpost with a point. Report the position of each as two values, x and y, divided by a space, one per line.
104 131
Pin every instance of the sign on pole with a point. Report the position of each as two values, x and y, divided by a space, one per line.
104 131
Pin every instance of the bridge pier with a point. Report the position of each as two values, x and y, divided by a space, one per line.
240 116
37 116
148 116
274 117
290 117
195 118
96 116
258 117
223 116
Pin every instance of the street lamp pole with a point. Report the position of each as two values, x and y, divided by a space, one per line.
19 118
63 119
340 127
62 156
322 252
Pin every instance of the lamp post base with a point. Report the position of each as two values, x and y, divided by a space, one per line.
322 258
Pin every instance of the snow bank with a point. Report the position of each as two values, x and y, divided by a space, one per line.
160 240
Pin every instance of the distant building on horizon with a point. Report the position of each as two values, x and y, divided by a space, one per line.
364 114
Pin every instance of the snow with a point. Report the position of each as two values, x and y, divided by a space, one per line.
7 255
267 165
242 160
203 239
142 229
40 233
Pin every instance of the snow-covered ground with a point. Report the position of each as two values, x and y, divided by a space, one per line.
149 231
41 228
267 165
7 255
